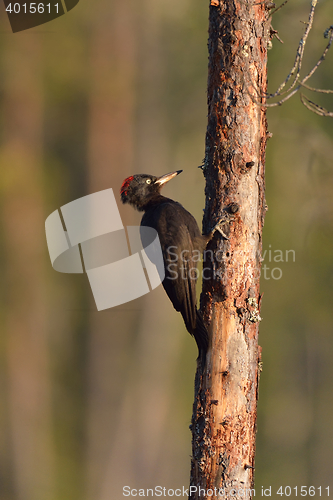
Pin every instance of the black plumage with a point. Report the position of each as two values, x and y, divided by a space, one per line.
180 239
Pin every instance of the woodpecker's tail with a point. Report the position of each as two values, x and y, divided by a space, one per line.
200 334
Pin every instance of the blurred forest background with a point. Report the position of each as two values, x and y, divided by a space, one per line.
93 401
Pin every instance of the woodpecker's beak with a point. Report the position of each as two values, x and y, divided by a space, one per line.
167 177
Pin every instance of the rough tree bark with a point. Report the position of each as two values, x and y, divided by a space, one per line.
225 405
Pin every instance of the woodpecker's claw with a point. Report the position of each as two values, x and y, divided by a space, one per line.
226 219
220 230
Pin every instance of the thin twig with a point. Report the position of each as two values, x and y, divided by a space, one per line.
278 8
299 54
315 108
313 89
274 104
298 83
302 82
322 57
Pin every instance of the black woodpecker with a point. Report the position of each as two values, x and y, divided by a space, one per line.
179 236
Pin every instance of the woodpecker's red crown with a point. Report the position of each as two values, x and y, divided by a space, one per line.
140 189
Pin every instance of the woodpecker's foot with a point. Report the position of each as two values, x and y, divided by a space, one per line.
226 219
219 226
228 216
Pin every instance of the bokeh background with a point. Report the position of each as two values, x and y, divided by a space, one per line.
93 401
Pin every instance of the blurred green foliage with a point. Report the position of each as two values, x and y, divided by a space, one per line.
91 401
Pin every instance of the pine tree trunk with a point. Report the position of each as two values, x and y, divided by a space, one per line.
226 393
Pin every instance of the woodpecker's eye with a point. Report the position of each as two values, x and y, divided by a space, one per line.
148 181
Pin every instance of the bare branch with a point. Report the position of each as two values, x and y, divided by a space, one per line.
315 108
274 104
299 55
275 33
313 89
297 82
329 30
278 8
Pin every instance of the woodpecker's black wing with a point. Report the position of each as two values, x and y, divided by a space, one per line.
181 241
